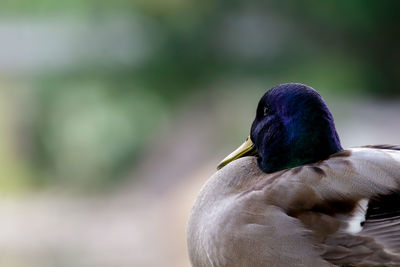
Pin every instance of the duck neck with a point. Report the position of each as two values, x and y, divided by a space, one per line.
300 144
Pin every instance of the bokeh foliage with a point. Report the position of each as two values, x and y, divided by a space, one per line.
93 118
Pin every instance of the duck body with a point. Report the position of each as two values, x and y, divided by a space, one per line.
299 199
312 215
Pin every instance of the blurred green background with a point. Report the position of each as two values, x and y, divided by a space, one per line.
118 104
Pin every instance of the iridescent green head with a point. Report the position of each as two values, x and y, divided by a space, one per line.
293 126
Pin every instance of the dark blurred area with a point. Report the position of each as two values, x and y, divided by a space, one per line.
113 113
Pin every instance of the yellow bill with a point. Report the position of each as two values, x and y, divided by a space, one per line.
246 149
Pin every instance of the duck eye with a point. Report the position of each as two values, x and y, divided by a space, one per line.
266 111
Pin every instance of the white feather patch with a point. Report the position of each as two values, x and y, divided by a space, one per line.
358 217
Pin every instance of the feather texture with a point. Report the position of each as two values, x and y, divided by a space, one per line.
301 216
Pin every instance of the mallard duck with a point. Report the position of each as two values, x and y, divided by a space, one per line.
292 196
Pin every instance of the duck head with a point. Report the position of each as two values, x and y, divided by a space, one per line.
293 126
